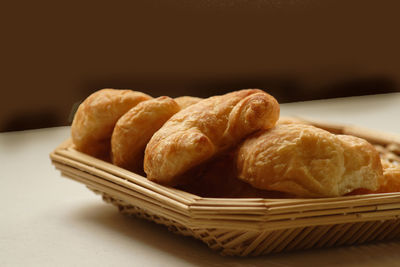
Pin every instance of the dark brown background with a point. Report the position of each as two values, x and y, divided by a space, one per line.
55 54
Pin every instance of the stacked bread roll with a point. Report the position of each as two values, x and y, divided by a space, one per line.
228 145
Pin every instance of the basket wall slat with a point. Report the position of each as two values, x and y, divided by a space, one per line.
350 232
269 238
378 230
299 238
162 211
255 243
177 207
80 159
339 202
317 234
338 235
239 239
290 234
371 230
390 231
150 188
364 227
273 246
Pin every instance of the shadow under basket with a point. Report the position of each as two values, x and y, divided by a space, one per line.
247 226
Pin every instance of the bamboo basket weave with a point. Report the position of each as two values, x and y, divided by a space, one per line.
247 226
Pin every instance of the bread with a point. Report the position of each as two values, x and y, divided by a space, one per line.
186 101
200 131
362 163
96 116
308 162
389 182
135 128
188 142
290 120
391 178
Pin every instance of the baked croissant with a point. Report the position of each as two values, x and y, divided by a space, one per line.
391 178
200 131
185 101
135 128
389 182
96 116
290 120
308 162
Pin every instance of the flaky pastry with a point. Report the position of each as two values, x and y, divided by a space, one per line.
135 128
96 116
391 178
308 162
389 182
185 101
200 131
290 120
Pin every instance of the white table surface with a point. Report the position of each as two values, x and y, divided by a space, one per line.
47 220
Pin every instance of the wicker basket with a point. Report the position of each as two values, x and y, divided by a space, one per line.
251 226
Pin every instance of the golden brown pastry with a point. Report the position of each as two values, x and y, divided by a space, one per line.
198 132
185 101
389 182
391 178
135 128
308 162
290 120
95 119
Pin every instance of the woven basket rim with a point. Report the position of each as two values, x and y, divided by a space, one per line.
244 213
245 226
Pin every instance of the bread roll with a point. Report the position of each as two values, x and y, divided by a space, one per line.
200 131
308 162
96 116
135 128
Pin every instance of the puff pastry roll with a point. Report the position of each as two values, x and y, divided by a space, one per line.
200 131
307 161
135 128
96 116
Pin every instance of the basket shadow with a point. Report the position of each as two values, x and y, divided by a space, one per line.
194 252
370 254
149 234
